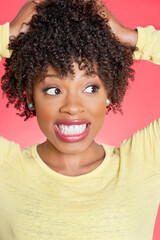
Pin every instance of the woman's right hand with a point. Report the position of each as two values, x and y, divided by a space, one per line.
24 16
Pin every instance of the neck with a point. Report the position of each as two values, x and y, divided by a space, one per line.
71 164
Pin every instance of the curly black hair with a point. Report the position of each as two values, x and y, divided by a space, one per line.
60 33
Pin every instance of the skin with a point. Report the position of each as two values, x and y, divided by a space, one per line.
24 16
77 100
125 35
86 155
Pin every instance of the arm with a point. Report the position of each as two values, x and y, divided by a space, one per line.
125 35
15 27
147 40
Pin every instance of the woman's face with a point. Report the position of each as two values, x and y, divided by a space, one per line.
73 98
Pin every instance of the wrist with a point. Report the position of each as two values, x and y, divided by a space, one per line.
128 36
11 30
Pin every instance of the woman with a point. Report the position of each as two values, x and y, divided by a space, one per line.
66 67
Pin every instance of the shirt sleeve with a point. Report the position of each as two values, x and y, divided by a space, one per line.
148 45
144 145
4 41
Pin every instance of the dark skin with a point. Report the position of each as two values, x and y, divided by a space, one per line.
76 101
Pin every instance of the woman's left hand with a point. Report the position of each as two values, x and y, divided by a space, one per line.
125 35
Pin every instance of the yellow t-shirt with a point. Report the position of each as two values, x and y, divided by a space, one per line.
118 200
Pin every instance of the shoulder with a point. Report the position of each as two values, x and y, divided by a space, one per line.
14 161
144 146
150 136
8 150
7 147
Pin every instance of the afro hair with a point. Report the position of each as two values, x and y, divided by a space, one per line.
60 33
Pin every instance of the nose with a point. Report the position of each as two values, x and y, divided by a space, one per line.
72 105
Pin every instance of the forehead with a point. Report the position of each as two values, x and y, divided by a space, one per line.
80 76
78 71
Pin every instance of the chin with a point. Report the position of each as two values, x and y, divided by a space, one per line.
71 148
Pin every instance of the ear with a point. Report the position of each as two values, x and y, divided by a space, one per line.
29 99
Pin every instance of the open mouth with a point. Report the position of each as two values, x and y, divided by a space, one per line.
72 129
72 133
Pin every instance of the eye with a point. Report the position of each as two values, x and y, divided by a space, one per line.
52 91
92 89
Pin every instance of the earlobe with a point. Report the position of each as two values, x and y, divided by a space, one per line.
31 106
30 103
108 101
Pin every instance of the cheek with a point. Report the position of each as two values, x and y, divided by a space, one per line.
45 112
100 110
45 115
97 113
98 107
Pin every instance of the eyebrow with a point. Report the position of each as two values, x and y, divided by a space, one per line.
84 75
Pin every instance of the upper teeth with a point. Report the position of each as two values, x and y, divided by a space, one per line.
72 129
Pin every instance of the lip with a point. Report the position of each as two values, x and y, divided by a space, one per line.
72 122
72 138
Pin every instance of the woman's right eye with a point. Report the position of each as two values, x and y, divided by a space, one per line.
52 91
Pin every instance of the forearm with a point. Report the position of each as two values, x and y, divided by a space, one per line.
125 35
16 26
147 40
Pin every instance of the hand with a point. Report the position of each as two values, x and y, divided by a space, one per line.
125 35
24 16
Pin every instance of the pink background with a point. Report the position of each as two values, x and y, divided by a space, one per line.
142 101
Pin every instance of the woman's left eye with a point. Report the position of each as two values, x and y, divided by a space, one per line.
92 89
